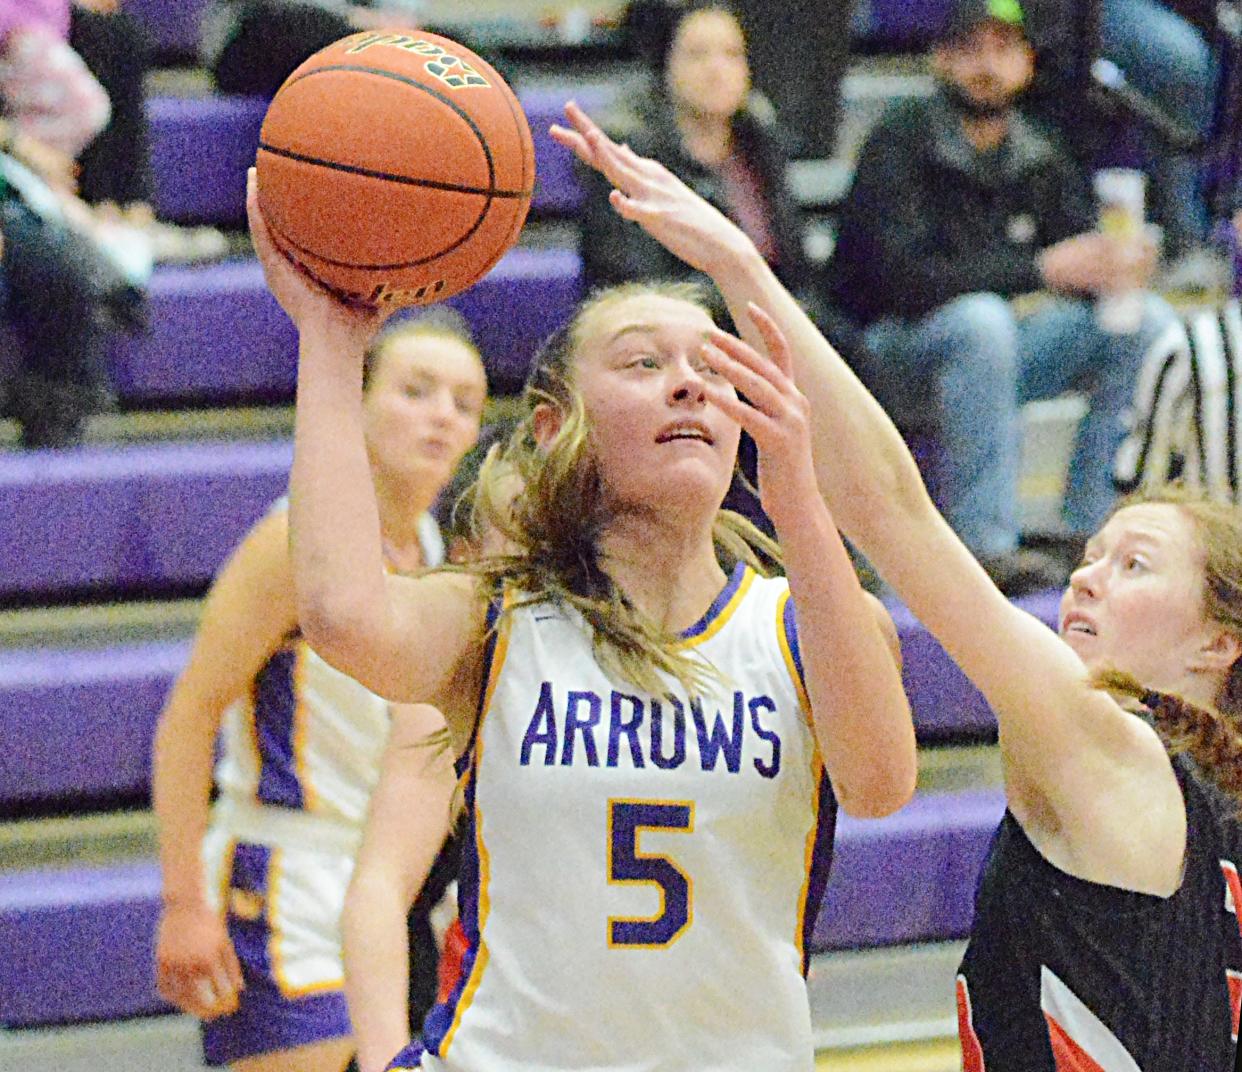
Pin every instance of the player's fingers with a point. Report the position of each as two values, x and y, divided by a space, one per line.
760 364
233 967
758 425
224 989
575 143
613 164
222 982
185 989
579 120
757 388
630 209
259 233
774 340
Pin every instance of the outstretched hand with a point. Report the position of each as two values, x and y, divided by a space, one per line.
774 412
645 192
310 305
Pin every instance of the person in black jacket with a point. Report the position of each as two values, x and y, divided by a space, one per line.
959 205
705 124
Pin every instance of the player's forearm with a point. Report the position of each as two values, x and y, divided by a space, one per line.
333 517
180 793
859 707
377 968
863 466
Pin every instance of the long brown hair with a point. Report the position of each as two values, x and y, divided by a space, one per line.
559 514
1212 738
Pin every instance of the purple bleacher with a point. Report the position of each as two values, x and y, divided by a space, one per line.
557 189
81 722
513 309
172 24
217 334
945 703
202 146
130 518
909 877
897 24
200 150
78 942
84 718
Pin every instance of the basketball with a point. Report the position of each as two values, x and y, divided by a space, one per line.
396 167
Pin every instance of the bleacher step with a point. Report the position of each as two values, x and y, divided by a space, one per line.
143 1044
244 422
99 625
951 768
867 997
78 840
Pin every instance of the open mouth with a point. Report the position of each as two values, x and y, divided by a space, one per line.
1078 627
681 432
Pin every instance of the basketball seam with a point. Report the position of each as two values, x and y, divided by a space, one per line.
366 267
405 180
462 114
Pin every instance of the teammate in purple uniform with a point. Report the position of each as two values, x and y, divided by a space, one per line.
249 938
1106 936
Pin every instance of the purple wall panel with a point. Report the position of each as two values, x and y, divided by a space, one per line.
81 721
910 877
78 944
172 24
130 517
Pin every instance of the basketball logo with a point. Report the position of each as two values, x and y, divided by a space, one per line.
452 70
455 73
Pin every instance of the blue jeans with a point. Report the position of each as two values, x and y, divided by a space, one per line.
1165 57
976 363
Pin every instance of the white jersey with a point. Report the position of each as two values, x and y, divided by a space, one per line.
637 886
307 737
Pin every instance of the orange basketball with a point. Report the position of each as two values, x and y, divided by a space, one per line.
396 167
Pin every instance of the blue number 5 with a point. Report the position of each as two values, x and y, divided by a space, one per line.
628 863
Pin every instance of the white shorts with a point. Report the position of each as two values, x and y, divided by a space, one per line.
282 903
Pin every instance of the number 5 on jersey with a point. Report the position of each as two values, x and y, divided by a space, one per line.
627 863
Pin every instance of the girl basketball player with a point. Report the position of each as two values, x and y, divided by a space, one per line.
249 938
1106 936
653 743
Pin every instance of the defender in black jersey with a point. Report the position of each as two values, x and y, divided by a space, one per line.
1061 973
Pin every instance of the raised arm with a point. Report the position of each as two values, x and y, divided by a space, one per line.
408 640
406 827
247 615
853 677
1067 747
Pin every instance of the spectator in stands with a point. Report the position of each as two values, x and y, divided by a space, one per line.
48 94
114 170
959 205
252 46
705 123
249 939
1162 54
63 299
